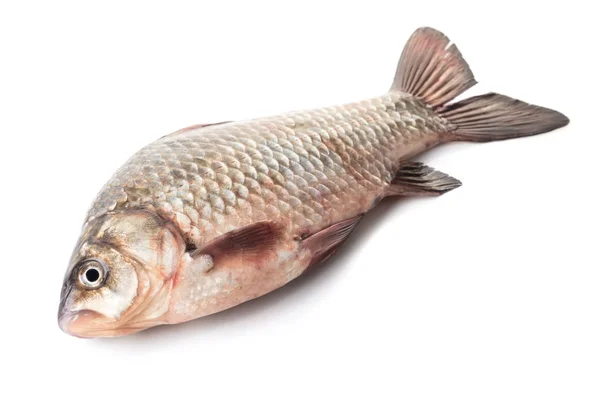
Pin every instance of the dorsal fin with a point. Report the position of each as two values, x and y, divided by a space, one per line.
195 127
432 69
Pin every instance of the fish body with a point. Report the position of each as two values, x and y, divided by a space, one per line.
214 215
304 169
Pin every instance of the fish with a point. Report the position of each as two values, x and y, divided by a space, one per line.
214 215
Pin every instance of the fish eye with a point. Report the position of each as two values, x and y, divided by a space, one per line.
92 273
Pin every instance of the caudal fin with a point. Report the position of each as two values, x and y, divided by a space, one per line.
492 117
433 70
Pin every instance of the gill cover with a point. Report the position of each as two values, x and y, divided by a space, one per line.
120 276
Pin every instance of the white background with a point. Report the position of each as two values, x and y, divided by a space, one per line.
492 290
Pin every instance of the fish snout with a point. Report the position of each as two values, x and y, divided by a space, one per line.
78 323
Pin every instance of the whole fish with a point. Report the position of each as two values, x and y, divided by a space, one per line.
212 216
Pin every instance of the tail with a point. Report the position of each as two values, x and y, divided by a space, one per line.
435 72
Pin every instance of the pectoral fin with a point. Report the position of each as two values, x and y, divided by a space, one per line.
418 179
250 245
326 242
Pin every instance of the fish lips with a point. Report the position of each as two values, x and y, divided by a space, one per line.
89 324
79 323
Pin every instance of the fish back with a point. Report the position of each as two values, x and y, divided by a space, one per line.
304 169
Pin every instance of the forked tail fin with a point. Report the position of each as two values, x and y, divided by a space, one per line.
492 117
433 70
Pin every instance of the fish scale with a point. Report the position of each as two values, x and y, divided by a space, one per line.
312 168
212 216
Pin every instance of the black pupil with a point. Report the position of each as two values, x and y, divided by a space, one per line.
92 275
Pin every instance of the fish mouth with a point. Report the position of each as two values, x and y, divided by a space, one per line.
90 324
79 323
76 323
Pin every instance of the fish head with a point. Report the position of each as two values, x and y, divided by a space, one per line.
120 276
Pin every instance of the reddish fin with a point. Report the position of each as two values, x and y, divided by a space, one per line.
251 244
432 69
195 127
418 179
326 242
493 117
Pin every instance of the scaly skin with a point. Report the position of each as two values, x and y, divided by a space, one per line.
212 216
303 170
306 170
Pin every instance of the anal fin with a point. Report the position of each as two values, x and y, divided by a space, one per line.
418 179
